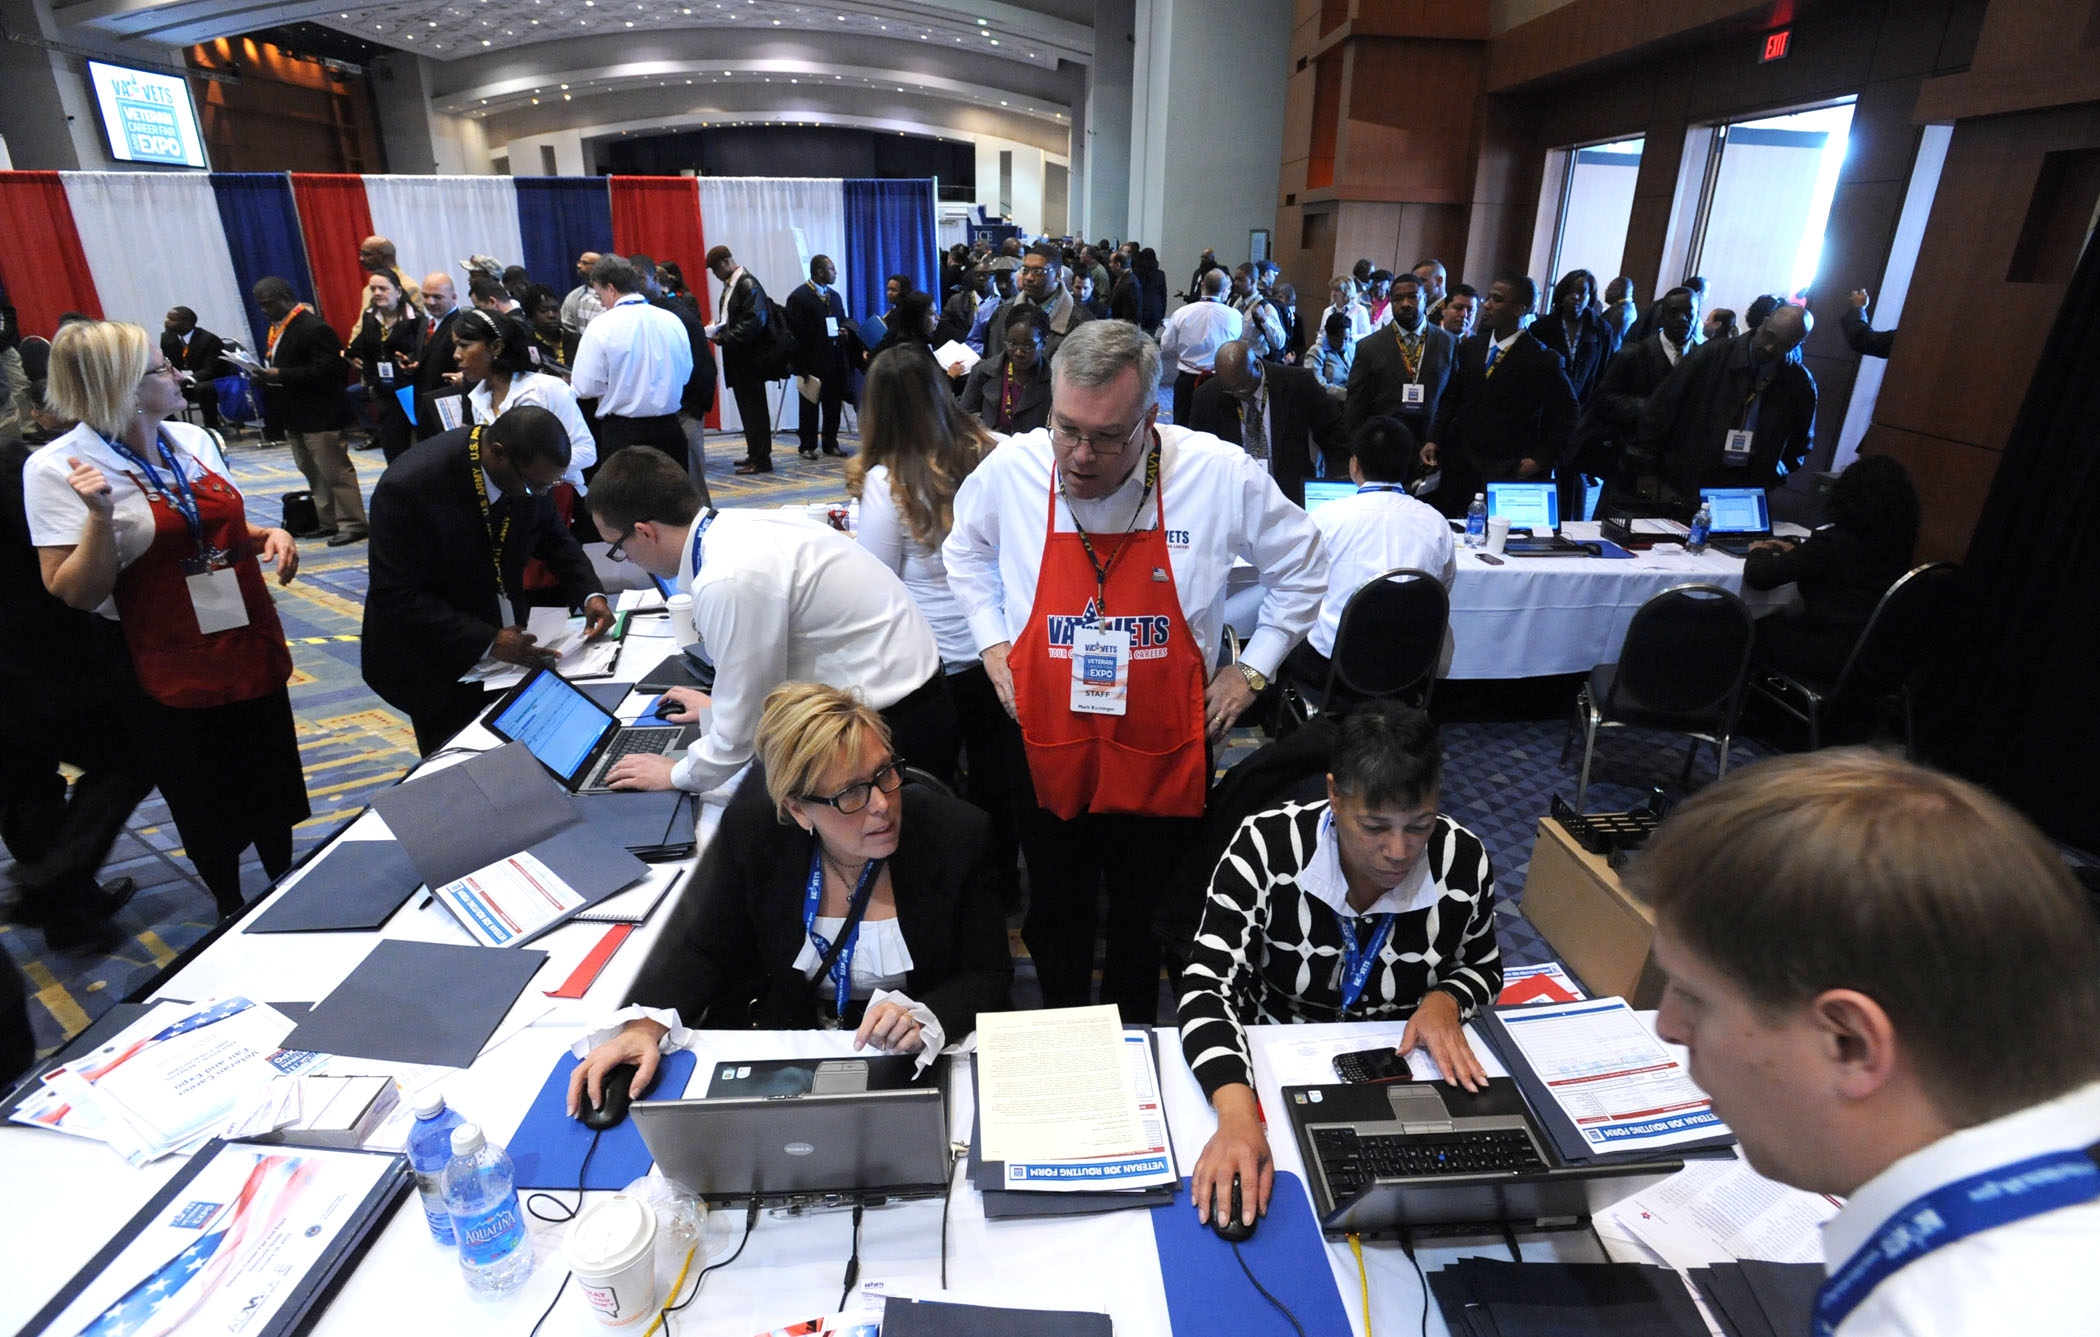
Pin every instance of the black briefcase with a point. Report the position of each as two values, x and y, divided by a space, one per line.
299 514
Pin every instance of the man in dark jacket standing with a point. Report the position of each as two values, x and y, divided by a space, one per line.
1401 368
1508 411
1614 413
1736 413
198 352
817 318
743 334
302 377
454 521
1279 414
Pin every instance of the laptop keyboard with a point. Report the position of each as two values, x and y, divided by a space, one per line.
1352 1161
652 742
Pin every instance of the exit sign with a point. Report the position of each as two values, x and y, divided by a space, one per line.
1775 45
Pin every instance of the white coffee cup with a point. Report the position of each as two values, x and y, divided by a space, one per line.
1498 533
680 607
612 1251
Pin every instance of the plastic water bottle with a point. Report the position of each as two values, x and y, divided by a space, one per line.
481 1193
1477 521
429 1152
1701 523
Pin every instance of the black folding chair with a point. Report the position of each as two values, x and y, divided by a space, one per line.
1894 650
1682 668
1388 643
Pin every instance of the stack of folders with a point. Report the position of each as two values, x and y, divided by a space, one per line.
1486 1297
1753 1299
1069 1119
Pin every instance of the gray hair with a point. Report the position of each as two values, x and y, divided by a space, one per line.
1097 352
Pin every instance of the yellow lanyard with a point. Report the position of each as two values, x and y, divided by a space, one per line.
500 534
1101 568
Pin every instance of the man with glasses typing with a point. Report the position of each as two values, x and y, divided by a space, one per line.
1091 559
454 521
777 598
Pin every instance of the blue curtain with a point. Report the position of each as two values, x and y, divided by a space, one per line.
561 217
262 234
889 230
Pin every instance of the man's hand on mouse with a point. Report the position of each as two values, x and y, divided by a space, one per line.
1239 1147
636 1043
682 705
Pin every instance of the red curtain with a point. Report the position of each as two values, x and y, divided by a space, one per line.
659 216
334 218
41 263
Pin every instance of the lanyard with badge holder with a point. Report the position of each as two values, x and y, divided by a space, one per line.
1735 446
1358 959
214 584
1412 394
856 906
498 534
1100 653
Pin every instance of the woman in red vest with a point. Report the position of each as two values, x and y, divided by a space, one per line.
135 517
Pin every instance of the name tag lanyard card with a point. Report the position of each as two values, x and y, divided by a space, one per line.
1411 394
1736 445
1101 654
214 585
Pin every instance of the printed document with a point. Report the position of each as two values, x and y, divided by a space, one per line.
509 900
1611 1076
1151 1168
1053 1085
1724 1211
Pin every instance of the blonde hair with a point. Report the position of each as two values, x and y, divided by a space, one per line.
803 731
96 367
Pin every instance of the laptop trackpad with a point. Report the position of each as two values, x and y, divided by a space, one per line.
841 1076
1418 1105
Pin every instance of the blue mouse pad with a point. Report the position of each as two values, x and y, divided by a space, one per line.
1207 1292
549 1146
1606 548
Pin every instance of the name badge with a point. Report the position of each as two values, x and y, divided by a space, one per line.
215 596
1735 450
1411 395
831 326
1100 671
386 373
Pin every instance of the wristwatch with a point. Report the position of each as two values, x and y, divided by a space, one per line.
1255 681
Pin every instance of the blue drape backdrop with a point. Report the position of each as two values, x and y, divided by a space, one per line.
262 234
559 218
889 230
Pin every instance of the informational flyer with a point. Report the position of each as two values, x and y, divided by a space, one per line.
1053 1085
1151 1167
1611 1076
509 900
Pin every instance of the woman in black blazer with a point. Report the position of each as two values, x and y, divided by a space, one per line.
826 808
387 346
1010 393
1841 570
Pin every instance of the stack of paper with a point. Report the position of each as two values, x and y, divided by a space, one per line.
1724 1212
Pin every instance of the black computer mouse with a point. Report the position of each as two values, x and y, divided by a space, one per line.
1235 1230
617 1096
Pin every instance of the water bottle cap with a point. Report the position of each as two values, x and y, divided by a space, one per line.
467 1139
429 1104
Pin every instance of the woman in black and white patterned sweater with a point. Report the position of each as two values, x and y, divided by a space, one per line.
1368 906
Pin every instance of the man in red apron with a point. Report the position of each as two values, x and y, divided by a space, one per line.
1099 624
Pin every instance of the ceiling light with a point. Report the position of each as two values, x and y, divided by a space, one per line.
565 87
995 41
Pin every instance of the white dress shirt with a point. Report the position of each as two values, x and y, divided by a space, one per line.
634 359
551 393
1323 880
1372 533
1220 504
2031 1276
1195 333
883 532
782 598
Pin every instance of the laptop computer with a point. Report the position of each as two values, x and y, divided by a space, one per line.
1389 1156
1741 516
848 1135
573 736
1320 491
1529 508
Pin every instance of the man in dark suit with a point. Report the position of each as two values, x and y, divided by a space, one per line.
1614 413
817 318
446 518
437 371
302 379
198 352
1401 369
1508 409
1277 413
1737 413
742 333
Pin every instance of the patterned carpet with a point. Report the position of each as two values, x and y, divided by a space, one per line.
1503 750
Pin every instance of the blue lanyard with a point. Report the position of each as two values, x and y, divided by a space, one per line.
1357 960
180 495
1955 1212
842 967
700 536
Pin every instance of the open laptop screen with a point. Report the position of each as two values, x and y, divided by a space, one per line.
557 723
1525 505
1738 510
1321 491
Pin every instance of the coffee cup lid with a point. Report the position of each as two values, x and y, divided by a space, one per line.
611 1235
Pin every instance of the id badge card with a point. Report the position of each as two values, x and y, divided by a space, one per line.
386 373
1100 671
831 326
215 596
1735 449
1411 394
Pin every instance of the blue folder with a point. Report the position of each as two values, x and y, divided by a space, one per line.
1207 1293
549 1146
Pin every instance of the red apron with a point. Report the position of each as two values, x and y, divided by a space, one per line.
1150 761
177 664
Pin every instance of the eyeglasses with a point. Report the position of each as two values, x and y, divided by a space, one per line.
853 798
618 551
1097 444
167 369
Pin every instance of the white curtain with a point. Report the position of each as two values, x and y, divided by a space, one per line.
435 222
154 240
773 226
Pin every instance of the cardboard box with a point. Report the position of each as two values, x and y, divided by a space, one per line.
1603 933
